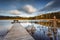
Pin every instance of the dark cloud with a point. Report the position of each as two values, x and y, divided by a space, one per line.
51 6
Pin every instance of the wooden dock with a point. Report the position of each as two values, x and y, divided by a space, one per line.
18 32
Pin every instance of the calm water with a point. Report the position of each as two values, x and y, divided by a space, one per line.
40 33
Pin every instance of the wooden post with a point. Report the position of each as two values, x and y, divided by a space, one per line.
55 28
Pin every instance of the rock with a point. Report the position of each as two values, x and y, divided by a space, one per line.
31 29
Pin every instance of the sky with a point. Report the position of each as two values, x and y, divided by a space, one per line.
28 8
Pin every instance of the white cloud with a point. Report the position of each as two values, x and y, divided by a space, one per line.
15 12
52 6
29 9
50 3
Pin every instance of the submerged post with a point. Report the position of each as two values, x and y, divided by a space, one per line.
50 33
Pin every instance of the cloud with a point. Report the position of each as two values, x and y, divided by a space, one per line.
52 6
15 12
29 9
2 11
50 3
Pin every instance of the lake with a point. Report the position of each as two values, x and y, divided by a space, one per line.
40 33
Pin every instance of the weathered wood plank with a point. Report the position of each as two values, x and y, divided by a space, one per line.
18 32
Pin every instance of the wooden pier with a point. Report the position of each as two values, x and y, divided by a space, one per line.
18 32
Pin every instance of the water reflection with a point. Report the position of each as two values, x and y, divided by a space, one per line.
39 34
